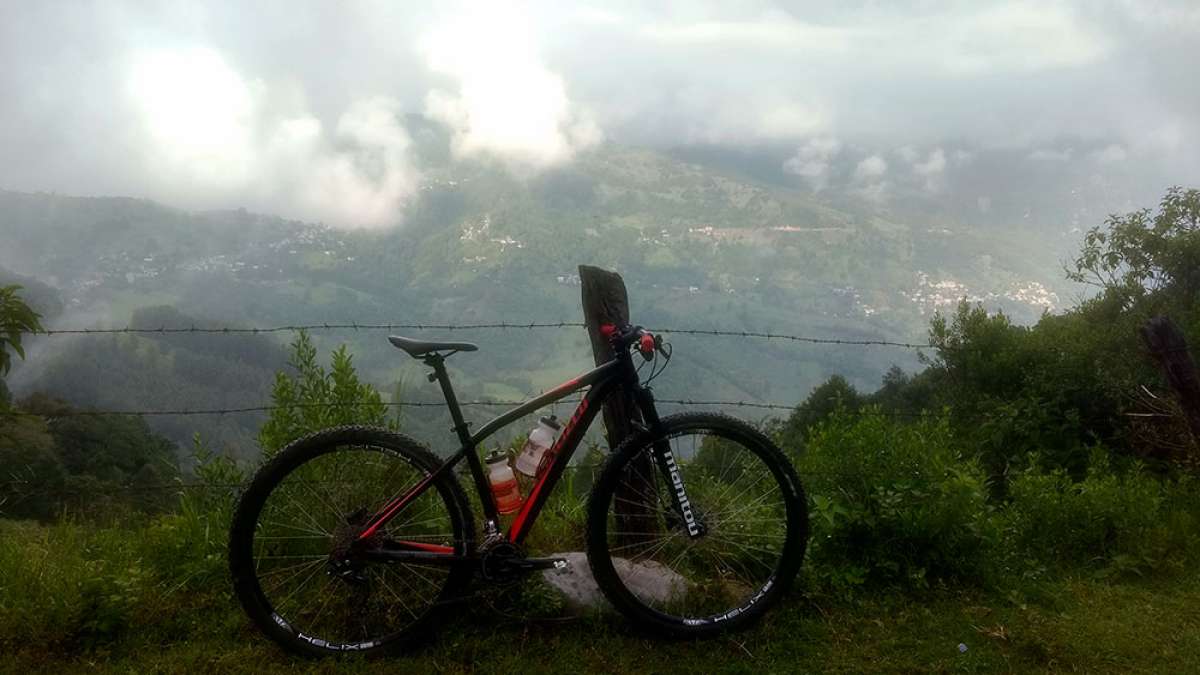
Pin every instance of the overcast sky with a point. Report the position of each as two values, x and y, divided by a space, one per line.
295 107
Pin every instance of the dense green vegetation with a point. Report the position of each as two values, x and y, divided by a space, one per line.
112 600
171 371
310 398
59 463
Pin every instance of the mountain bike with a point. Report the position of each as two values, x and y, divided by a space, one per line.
355 539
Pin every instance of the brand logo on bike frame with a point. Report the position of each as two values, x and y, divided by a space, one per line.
685 506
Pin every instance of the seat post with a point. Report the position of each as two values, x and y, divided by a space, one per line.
437 362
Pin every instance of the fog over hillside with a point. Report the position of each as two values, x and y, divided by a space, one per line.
984 110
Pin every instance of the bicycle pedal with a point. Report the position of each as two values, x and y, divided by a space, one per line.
544 564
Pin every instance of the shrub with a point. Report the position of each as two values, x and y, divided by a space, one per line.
1115 521
68 584
188 547
894 503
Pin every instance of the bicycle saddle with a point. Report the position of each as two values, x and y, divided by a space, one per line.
417 348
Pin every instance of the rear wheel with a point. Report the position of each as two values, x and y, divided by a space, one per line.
742 492
297 568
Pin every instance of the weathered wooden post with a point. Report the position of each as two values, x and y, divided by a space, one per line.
605 301
1168 346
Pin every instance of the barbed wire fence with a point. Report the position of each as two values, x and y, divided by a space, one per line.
374 326
356 326
440 404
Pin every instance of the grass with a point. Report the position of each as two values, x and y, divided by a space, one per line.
1069 622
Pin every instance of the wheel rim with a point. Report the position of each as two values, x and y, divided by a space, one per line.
738 499
308 568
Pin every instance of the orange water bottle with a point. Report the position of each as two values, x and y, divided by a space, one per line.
504 483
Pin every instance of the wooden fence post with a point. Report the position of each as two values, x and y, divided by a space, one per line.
605 301
1168 346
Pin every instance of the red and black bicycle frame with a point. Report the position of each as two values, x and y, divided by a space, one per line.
601 383
601 380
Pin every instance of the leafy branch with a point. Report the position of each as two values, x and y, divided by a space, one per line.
16 318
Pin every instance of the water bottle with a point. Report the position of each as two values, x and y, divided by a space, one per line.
503 483
534 455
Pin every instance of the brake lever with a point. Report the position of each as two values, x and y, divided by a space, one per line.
647 344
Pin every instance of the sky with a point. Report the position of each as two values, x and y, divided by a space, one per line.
299 109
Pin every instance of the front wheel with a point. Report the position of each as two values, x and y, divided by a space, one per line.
744 502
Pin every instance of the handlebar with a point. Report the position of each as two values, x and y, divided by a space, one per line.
623 338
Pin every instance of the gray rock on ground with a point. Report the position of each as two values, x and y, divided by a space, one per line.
647 579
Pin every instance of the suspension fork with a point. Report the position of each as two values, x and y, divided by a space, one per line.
664 459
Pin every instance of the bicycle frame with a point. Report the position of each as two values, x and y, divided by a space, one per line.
603 380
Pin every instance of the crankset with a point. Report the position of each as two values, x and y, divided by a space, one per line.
502 561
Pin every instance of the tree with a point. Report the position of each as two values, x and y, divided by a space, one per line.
32 475
830 396
120 450
16 318
1140 253
312 398
52 457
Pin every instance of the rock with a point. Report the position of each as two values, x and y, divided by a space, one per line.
647 579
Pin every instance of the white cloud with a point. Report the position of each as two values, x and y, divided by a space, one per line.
870 168
505 102
729 121
908 153
1015 36
1110 154
362 177
1050 155
933 166
771 29
198 113
535 84
811 161
932 170
208 129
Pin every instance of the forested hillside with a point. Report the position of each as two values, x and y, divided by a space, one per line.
170 372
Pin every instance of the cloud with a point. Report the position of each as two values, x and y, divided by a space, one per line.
198 114
932 170
1050 155
908 153
205 126
870 168
506 103
774 29
811 161
532 86
362 176
737 122
1110 154
1017 36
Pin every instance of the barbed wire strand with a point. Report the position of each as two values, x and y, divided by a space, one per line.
861 412
102 489
243 330
701 332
